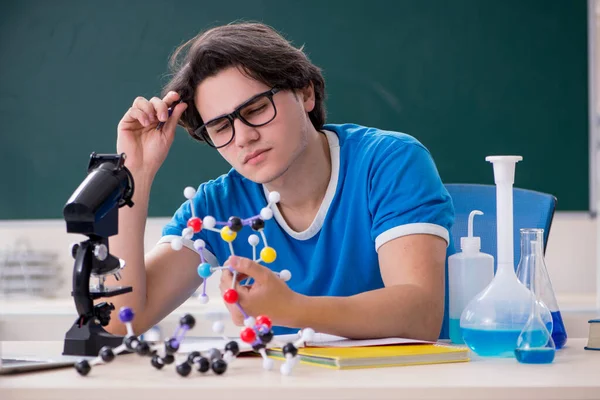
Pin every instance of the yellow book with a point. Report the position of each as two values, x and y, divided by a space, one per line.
378 356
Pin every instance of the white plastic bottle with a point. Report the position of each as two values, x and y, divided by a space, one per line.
469 272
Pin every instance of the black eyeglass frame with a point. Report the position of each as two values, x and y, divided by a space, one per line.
202 133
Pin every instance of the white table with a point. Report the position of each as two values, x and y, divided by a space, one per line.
574 375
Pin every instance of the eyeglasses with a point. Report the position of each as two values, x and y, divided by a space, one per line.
257 111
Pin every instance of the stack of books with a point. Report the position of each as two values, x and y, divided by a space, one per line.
594 335
340 353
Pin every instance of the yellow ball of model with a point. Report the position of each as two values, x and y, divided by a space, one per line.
228 235
268 254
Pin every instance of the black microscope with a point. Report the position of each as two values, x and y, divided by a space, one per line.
92 210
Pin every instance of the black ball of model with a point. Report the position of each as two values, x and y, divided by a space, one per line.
171 346
235 224
219 366
184 369
107 354
168 359
290 349
257 224
131 343
266 337
156 362
233 347
188 320
193 356
83 367
143 349
258 346
203 364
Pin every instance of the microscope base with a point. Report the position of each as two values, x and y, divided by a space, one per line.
88 339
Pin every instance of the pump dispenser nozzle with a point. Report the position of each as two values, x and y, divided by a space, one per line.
471 244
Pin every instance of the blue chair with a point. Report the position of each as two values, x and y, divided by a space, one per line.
531 209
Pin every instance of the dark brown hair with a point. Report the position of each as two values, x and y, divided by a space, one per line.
257 50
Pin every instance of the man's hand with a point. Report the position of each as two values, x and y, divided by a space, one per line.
268 295
145 146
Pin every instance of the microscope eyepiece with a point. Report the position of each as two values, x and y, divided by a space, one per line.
92 208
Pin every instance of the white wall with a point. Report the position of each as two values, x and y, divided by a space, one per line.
571 254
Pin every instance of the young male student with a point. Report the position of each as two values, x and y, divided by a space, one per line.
363 222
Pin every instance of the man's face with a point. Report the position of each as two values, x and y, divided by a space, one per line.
261 154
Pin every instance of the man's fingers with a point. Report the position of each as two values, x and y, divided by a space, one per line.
226 279
160 107
170 98
248 267
135 114
175 116
147 107
173 110
240 277
236 315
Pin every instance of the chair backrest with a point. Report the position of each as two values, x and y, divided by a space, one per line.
531 209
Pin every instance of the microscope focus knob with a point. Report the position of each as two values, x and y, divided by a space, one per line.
100 252
74 249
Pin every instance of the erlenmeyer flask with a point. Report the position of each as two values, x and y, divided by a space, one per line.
535 344
530 240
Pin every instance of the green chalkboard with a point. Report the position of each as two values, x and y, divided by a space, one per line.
468 78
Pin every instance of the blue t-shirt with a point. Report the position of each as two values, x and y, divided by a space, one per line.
383 185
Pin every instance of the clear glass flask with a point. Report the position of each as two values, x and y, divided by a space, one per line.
531 239
535 344
492 321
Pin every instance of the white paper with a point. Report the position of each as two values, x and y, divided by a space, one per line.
326 340
319 340
202 344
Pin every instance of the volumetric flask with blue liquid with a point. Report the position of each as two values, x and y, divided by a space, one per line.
531 239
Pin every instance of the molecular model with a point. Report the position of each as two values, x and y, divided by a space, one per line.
257 331
164 353
228 233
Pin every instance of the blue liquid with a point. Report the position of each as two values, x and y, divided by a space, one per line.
491 343
500 343
559 334
455 332
535 356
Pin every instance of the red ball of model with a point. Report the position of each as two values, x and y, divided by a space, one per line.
195 223
230 296
248 335
263 320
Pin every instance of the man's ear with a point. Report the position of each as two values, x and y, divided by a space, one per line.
307 96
